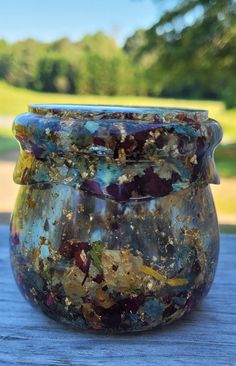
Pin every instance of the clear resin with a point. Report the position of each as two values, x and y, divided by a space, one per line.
114 227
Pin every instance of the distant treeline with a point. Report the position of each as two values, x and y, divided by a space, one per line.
189 53
94 65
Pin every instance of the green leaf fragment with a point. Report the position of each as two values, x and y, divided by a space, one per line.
96 254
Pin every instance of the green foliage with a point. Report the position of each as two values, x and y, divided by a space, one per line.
4 58
96 253
55 73
191 51
95 65
22 63
104 69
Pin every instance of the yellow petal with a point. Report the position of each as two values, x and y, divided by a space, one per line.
177 281
153 273
171 282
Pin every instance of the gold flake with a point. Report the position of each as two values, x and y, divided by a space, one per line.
193 159
179 218
188 220
67 302
35 254
122 156
155 134
83 256
122 179
33 291
84 174
93 319
68 179
104 299
42 240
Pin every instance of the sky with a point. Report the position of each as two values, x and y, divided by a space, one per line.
47 20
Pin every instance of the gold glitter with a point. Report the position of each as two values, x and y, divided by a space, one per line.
193 159
122 156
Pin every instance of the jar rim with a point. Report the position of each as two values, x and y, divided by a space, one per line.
117 152
100 111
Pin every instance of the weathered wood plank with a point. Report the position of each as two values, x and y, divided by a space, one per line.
205 337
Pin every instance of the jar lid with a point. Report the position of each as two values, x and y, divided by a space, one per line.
128 113
115 151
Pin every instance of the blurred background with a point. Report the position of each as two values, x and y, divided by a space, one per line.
136 52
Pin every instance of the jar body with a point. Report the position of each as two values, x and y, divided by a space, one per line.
102 265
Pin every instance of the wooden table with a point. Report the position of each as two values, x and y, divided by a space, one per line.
205 337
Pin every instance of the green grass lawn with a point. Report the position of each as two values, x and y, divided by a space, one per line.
7 142
225 157
14 101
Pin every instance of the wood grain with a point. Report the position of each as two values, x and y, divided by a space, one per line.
205 337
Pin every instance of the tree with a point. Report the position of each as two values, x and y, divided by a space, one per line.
4 58
192 51
105 69
94 65
55 73
22 65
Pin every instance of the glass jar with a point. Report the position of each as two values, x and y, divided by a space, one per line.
114 227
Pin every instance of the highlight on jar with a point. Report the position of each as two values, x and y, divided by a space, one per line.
114 227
